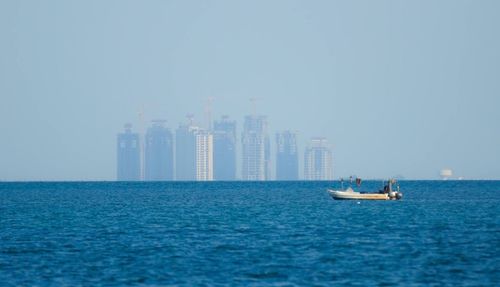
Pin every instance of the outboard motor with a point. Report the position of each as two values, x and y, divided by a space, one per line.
399 195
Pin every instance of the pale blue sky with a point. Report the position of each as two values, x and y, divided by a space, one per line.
398 87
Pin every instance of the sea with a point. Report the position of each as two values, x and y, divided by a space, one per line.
442 233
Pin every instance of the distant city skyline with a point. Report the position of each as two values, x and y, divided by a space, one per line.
397 87
211 154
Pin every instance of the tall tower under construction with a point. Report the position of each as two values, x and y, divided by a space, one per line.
185 153
128 163
318 160
159 157
194 153
224 133
287 160
255 149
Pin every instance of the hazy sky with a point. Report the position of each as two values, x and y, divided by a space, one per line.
398 87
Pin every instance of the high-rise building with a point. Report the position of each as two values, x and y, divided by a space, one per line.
256 149
224 132
185 153
318 160
287 160
204 155
128 163
159 157
194 153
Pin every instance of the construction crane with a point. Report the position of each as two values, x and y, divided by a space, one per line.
253 104
208 113
190 118
141 142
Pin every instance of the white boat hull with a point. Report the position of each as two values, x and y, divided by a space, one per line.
353 195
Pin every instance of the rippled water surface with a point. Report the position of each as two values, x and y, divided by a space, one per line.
244 233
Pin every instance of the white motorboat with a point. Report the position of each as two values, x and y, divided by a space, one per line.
349 194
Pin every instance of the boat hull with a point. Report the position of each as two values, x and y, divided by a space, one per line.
350 195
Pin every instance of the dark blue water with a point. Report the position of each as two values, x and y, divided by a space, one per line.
269 233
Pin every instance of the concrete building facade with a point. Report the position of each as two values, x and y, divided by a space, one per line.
204 156
194 153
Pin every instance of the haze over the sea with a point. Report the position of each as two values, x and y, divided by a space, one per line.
398 87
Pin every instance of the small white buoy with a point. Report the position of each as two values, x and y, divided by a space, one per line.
359 202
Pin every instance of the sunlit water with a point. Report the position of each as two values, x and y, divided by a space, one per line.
246 233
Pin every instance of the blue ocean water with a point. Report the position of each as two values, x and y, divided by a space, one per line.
443 233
